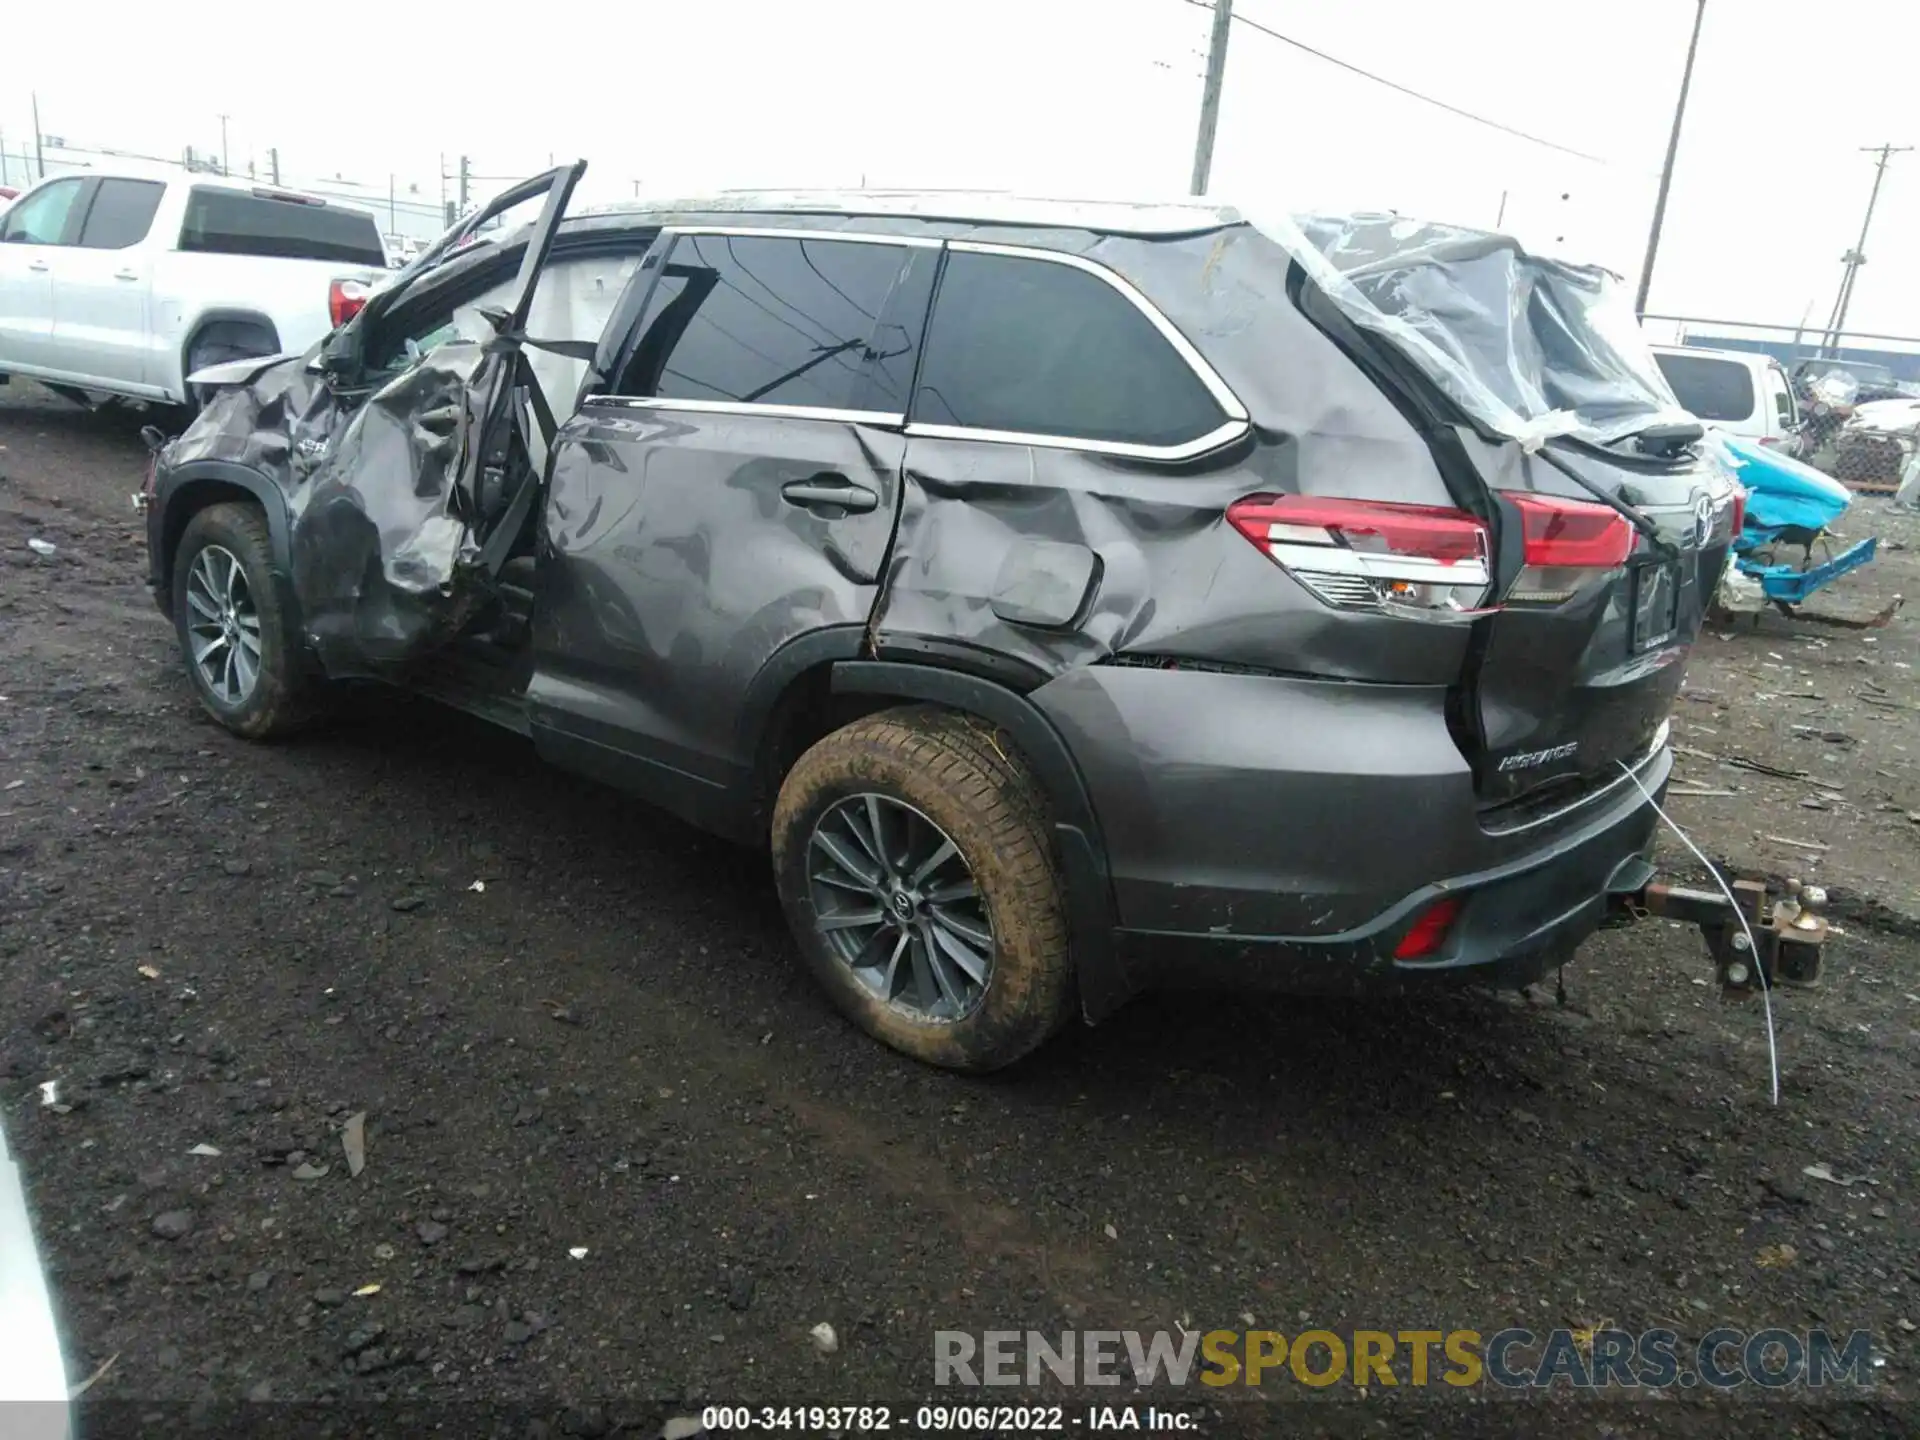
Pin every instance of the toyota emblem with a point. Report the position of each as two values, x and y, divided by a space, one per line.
1702 520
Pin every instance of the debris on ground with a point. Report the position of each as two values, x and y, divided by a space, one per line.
94 1379
824 1340
353 1139
205 1149
43 548
1824 1171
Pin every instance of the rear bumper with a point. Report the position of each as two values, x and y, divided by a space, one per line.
1515 923
1271 833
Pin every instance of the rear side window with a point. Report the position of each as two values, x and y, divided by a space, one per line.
234 222
1712 388
1035 347
41 218
758 320
121 213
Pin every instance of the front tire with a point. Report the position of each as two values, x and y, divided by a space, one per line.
241 654
912 854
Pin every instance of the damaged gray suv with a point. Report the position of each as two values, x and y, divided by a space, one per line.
1075 599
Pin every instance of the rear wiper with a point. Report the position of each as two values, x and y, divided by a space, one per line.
1613 502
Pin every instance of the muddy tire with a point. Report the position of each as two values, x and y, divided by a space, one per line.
240 651
912 853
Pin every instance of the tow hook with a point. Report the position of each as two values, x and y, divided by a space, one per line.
1789 932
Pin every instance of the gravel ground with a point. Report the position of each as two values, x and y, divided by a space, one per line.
620 1159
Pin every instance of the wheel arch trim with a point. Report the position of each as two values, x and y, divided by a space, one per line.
1082 852
182 493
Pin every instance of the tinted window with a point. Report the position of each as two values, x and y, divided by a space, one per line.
1712 388
121 213
41 218
761 320
1047 349
232 222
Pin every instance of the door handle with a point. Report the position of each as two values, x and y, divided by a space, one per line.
126 274
829 490
36 265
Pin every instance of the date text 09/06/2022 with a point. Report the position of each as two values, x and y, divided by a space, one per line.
946 1419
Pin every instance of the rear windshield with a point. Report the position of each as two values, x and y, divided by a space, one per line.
1528 346
233 222
1712 388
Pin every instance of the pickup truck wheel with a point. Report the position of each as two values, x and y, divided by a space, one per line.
241 655
913 859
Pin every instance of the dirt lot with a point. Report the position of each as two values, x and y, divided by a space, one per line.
611 1048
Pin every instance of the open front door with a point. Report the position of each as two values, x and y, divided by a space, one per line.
498 477
400 538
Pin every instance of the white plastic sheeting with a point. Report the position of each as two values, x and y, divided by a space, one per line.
1529 347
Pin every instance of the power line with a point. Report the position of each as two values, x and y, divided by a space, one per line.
1451 109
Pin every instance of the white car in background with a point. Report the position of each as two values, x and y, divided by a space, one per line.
1741 392
125 285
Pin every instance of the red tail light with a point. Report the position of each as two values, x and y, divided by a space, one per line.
346 299
1366 554
1739 508
1567 545
1429 932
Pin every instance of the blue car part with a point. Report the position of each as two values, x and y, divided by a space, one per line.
1789 502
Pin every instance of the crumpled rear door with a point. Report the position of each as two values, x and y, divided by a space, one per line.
417 505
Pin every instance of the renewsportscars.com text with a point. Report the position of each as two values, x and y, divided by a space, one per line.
1513 1358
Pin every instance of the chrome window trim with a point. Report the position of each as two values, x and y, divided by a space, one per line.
1232 428
1223 396
1223 434
736 407
803 232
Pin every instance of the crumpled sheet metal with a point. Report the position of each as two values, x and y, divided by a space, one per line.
1528 346
383 549
1163 584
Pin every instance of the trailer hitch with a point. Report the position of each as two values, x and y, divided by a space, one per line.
1788 933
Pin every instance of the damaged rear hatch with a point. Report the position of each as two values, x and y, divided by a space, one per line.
1604 515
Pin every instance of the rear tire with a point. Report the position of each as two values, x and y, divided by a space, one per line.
912 854
241 652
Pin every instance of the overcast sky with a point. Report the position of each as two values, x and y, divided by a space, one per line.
1076 97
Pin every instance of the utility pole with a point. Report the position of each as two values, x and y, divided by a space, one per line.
466 174
273 162
39 155
225 169
1210 96
1856 257
1666 170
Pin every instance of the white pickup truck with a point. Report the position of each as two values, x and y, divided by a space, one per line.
125 285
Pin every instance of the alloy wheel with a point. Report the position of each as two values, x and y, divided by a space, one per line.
896 903
223 626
